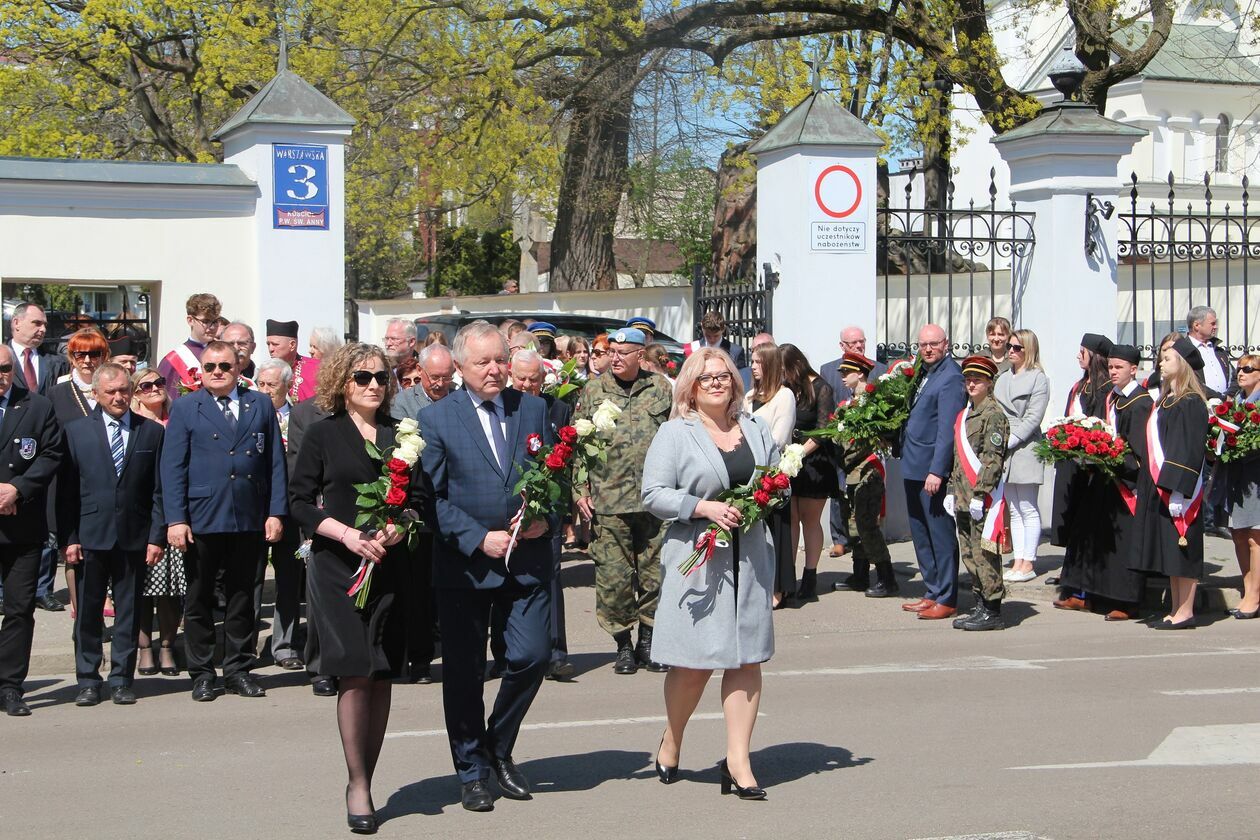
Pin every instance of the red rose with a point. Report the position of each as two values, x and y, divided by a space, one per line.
762 498
533 444
568 434
908 372
782 482
564 451
1254 417
399 480
1231 440
1117 449
554 461
398 466
870 387
1055 431
767 484
1091 449
1240 416
396 496
1221 409
1073 441
1249 406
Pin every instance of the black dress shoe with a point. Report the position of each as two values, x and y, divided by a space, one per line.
89 695
361 823
420 675
1164 624
729 785
880 589
511 780
667 775
1243 616
13 704
245 685
324 687
561 671
292 663
475 796
123 696
203 689
48 602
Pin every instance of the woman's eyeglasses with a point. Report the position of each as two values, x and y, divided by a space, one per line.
1248 369
80 355
150 385
708 380
408 381
599 354
1015 348
363 377
211 367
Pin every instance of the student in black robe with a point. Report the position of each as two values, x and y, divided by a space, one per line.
1099 543
1168 528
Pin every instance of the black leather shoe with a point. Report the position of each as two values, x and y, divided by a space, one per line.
89 695
475 796
511 780
13 704
48 602
1164 624
1244 616
879 589
245 685
420 675
324 687
123 696
561 671
361 823
625 663
203 689
987 617
729 785
292 663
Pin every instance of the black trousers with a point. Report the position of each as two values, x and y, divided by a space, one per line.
418 602
559 639
19 568
98 571
237 555
465 618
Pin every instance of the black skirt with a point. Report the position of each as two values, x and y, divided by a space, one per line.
343 640
818 478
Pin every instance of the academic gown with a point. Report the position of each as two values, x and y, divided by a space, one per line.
1183 428
1097 561
1068 479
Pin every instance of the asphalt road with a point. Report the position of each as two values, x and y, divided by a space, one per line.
873 725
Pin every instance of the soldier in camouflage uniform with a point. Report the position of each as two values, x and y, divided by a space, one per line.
972 485
627 539
864 487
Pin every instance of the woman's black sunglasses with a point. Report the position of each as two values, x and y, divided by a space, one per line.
363 377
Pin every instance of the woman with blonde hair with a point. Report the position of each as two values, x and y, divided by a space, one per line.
1170 484
1242 495
324 342
1023 393
718 615
772 400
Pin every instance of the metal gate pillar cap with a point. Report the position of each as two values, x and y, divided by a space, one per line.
818 121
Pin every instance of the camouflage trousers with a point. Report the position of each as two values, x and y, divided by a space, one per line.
985 566
627 556
866 500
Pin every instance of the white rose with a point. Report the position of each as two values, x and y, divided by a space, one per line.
603 423
584 427
790 462
550 380
408 426
409 451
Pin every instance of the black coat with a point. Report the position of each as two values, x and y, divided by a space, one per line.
100 509
30 454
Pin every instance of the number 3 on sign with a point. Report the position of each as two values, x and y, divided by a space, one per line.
304 180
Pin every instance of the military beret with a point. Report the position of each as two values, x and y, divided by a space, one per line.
1095 343
628 335
284 329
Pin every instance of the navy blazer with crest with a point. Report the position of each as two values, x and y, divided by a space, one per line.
471 494
30 454
220 481
100 508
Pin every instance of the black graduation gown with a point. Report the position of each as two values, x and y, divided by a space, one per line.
1097 560
1183 428
1068 480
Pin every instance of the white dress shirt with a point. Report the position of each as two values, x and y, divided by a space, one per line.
19 353
1213 375
124 422
484 417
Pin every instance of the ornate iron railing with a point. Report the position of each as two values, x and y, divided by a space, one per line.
747 302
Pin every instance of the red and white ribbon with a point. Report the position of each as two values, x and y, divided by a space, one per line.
1155 463
515 524
360 577
994 520
878 463
1227 427
1126 495
1074 407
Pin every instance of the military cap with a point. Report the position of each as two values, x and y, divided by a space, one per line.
284 329
543 328
645 324
856 363
980 366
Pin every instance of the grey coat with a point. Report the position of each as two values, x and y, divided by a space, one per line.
1024 397
698 623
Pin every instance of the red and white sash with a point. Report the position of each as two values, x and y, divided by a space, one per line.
994 520
1074 406
1226 425
1155 463
184 363
878 463
1126 495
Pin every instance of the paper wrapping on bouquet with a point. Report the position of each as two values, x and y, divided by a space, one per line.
995 519
1155 463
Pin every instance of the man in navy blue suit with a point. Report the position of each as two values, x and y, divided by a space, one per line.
110 518
927 456
224 489
476 439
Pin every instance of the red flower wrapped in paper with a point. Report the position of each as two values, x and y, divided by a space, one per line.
1087 441
1233 429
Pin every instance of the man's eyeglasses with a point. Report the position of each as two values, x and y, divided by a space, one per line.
208 324
625 354
150 385
211 367
80 355
940 343
708 380
363 377
409 381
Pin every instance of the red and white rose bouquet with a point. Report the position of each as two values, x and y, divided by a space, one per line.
1086 441
874 415
1234 429
384 501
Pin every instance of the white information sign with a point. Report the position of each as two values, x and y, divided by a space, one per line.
838 237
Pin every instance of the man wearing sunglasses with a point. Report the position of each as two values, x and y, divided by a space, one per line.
224 491
282 344
182 365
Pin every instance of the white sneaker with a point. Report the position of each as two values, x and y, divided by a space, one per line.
1019 577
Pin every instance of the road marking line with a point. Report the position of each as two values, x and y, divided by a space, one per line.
568 724
1189 746
1207 692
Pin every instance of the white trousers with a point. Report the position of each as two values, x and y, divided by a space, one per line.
1021 500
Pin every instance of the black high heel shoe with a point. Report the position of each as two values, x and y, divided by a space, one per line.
667 775
171 670
360 823
150 670
729 785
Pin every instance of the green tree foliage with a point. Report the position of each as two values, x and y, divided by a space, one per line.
474 262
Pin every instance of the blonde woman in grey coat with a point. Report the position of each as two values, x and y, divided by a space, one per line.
1024 394
718 616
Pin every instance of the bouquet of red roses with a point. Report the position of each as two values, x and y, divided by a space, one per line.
1234 429
383 502
874 416
1087 441
766 491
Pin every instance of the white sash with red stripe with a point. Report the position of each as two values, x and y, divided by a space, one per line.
994 520
1155 463
1127 495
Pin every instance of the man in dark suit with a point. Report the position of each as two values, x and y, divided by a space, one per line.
927 456
476 439
852 340
110 521
224 490
30 453
713 328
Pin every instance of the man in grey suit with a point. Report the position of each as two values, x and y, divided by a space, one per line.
437 371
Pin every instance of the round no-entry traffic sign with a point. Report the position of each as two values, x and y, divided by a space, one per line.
838 191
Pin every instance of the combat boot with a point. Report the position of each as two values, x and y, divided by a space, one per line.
858 581
886 586
643 652
807 589
988 618
625 663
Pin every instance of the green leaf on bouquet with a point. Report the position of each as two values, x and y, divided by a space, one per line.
591 449
373 449
553 492
365 502
362 519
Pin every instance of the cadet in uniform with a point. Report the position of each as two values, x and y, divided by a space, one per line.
975 500
864 487
627 546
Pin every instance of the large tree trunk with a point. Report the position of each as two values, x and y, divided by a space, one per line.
595 175
734 236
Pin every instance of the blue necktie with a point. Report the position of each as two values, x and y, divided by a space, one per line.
116 445
496 433
226 404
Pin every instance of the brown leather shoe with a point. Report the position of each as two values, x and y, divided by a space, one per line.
1118 615
838 550
919 605
936 612
1071 603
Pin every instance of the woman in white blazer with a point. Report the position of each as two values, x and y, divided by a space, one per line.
719 615
773 401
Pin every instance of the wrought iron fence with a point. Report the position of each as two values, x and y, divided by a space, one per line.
746 302
950 266
1172 259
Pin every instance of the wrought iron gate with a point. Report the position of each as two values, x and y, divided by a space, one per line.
746 303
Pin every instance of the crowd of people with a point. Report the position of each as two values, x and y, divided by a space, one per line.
170 489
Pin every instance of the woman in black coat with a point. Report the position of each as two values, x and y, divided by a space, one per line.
362 648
